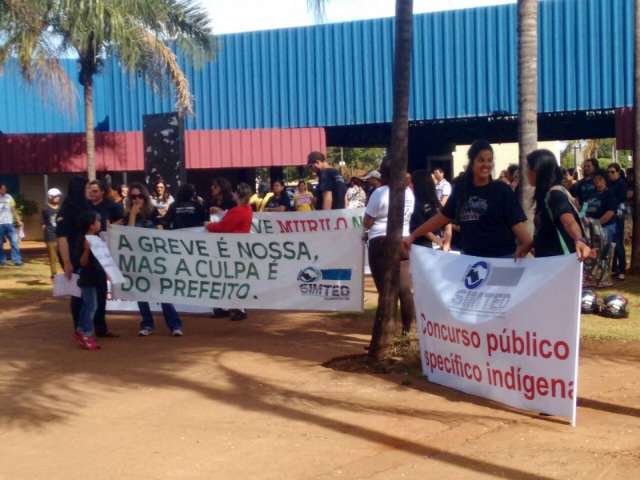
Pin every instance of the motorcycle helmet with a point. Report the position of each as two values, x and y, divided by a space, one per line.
589 301
615 306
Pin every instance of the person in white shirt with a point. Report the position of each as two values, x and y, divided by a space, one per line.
443 188
375 221
8 220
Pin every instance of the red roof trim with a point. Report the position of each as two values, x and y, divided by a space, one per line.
123 151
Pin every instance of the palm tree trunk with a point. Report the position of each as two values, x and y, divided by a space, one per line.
89 130
635 250
527 96
385 326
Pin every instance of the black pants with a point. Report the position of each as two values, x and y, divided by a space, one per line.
99 319
376 262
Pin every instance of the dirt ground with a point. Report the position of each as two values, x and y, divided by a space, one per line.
252 400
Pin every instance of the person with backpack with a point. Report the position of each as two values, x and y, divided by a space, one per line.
488 211
558 228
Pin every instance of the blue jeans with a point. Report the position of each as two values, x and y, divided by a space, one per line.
8 231
88 310
610 232
171 317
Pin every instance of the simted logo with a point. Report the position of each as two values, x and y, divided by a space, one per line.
330 283
476 275
309 275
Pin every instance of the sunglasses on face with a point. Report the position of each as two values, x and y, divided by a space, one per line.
613 171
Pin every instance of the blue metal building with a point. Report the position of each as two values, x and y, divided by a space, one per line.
339 75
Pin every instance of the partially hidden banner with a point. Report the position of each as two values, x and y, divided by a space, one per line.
261 271
308 222
501 330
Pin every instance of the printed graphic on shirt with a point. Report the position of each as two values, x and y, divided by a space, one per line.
473 209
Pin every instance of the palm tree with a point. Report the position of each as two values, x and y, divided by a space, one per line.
527 94
385 327
635 251
37 33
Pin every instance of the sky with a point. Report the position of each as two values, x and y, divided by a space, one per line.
232 16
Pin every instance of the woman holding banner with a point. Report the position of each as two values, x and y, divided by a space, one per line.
558 230
375 223
487 211
237 220
143 214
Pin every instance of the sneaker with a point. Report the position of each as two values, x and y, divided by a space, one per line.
19 264
89 343
77 338
145 332
620 276
176 332
238 315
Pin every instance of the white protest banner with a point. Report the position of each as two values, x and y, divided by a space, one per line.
66 287
101 251
289 272
308 222
501 330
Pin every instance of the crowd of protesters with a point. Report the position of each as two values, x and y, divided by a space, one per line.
474 214
90 207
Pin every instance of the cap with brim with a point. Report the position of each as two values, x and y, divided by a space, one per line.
372 174
54 192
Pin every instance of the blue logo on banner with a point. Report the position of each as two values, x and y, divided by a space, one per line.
476 275
337 274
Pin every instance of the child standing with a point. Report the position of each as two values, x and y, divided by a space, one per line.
91 274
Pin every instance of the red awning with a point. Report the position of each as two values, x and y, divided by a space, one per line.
123 151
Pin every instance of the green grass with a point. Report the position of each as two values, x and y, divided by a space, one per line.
593 327
19 282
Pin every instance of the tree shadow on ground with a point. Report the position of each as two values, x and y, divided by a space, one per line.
41 374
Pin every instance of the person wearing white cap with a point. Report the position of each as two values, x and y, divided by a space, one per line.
373 181
49 213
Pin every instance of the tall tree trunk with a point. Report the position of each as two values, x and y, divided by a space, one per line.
89 129
635 250
385 326
527 96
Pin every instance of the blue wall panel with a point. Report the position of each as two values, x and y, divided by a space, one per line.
465 65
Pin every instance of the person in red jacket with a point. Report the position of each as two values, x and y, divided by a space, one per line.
236 220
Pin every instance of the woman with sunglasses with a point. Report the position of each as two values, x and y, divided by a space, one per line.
143 214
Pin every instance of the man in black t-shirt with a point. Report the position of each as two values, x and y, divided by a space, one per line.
110 212
331 190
